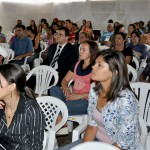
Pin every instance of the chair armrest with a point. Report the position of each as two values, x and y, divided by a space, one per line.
78 131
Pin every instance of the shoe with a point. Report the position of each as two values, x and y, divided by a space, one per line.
63 131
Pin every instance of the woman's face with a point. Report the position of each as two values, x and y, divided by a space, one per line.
5 88
88 24
101 71
31 23
122 29
134 38
119 39
82 38
84 53
130 29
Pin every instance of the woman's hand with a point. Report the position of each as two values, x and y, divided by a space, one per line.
66 91
2 104
74 96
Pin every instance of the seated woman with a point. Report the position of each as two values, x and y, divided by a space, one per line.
120 39
21 119
113 113
88 28
36 44
139 49
77 99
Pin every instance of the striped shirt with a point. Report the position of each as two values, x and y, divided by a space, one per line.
26 131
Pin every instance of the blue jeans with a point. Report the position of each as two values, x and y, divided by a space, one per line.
75 107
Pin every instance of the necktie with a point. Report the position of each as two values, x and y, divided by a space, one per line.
56 57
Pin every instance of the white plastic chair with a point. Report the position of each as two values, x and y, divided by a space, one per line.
4 45
142 90
8 36
136 62
51 107
133 72
94 145
39 60
44 75
11 55
141 68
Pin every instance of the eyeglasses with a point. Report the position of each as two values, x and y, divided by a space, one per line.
59 34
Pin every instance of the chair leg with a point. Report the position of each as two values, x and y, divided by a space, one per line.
70 126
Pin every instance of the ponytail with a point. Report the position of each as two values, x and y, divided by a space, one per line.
29 92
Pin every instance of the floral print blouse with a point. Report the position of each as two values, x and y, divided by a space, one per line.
120 119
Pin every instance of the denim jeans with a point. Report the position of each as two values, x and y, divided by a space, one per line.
75 107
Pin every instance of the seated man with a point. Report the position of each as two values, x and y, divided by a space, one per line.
2 36
139 49
21 45
106 35
62 55
3 55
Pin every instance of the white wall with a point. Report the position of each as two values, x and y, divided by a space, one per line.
124 11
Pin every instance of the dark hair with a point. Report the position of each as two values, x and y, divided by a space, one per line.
118 67
13 73
110 21
118 27
132 25
66 30
35 27
43 20
29 28
122 34
93 46
21 26
68 20
136 33
51 28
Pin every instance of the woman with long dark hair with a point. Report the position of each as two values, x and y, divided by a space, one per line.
21 119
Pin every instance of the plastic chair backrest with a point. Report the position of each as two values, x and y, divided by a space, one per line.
11 54
46 77
136 62
4 45
39 60
133 72
8 36
94 146
143 130
142 90
141 68
51 107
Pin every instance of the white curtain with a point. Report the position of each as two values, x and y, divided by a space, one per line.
99 12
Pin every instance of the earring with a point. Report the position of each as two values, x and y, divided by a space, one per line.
11 94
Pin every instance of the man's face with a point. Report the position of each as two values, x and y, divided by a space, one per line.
60 37
21 32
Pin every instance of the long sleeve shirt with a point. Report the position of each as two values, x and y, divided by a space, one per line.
26 131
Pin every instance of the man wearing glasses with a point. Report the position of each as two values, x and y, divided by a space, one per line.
62 55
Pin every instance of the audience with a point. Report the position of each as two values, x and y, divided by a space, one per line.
113 112
22 122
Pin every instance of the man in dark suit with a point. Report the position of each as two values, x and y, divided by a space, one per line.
62 55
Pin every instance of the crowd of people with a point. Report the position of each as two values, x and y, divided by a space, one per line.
99 81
